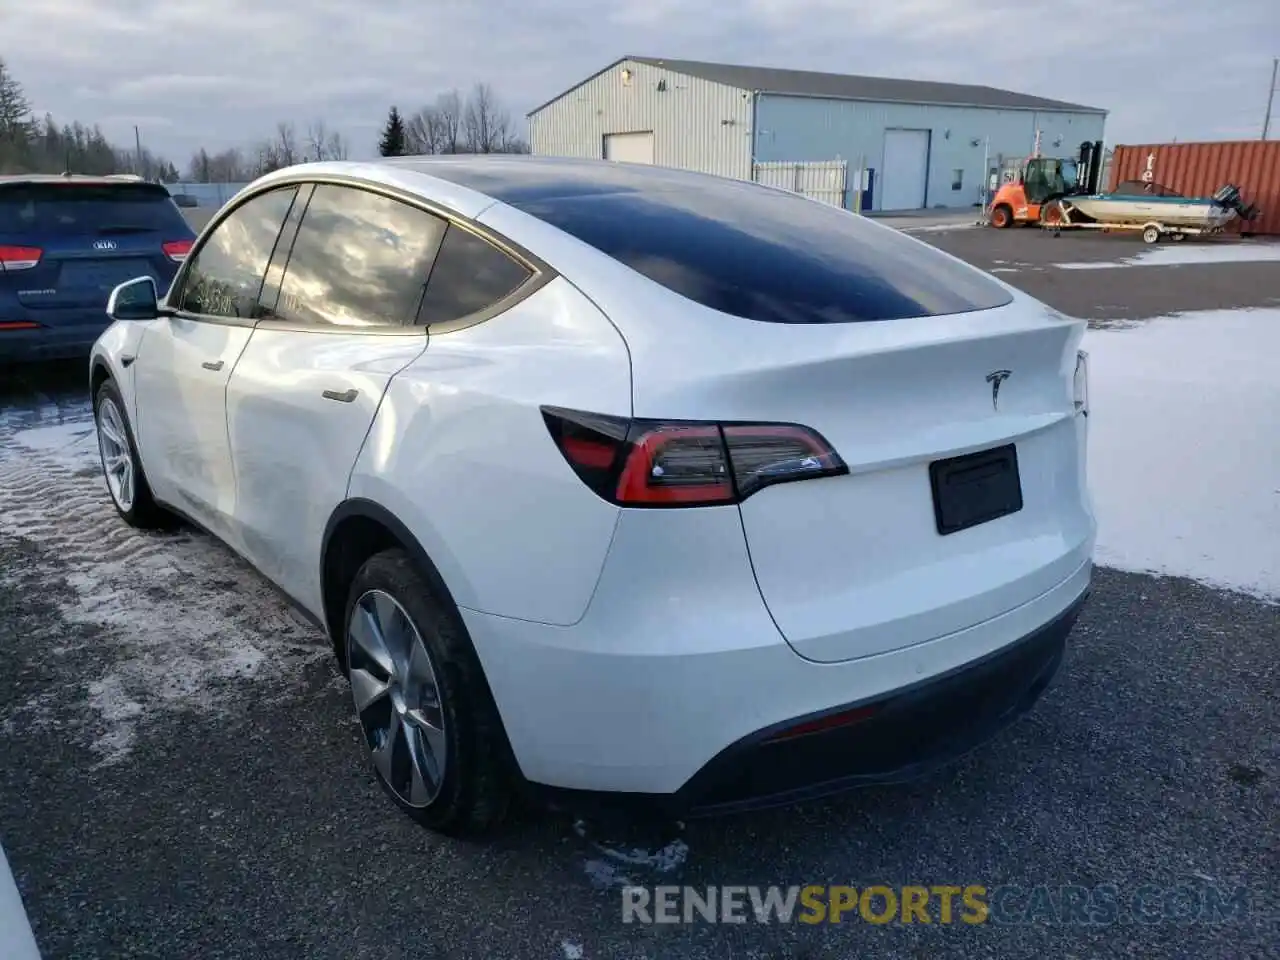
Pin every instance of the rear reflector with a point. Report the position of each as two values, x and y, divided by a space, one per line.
680 463
18 325
19 258
835 721
177 250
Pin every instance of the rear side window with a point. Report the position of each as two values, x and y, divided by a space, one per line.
359 260
225 277
469 275
35 210
769 256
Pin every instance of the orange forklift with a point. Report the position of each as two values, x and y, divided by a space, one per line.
1042 179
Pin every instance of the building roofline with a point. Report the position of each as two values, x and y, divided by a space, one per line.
1054 106
569 90
1065 108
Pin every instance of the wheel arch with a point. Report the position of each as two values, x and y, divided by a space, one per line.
99 373
357 529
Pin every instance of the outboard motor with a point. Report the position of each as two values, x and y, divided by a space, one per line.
1228 195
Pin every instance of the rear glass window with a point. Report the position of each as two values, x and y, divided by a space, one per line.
58 209
733 246
772 257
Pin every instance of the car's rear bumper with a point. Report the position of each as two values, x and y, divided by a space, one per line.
898 737
669 692
66 341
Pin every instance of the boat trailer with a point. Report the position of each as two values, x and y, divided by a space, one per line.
1059 215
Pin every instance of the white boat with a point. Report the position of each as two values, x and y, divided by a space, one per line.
1137 203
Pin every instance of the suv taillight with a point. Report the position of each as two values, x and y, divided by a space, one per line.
681 463
177 250
19 258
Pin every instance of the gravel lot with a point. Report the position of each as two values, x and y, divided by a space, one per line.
180 777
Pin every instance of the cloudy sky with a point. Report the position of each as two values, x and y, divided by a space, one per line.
223 72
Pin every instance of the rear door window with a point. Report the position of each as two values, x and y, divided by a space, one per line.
57 210
469 275
225 277
360 259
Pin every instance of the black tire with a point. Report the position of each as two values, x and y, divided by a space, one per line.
1002 217
479 783
143 512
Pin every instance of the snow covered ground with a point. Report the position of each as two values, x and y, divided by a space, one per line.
1184 456
1188 252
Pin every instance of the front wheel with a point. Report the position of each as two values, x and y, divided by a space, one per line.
1001 217
425 712
121 467
1151 235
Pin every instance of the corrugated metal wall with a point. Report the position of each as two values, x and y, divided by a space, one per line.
810 129
1198 169
696 124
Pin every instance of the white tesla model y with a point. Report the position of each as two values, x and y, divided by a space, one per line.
616 480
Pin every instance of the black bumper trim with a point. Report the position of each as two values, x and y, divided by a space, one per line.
914 731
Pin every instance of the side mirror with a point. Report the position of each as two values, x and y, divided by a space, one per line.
135 299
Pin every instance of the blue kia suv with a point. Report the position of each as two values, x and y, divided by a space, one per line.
65 242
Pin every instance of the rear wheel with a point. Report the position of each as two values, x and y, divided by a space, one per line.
426 714
121 467
1002 216
1151 234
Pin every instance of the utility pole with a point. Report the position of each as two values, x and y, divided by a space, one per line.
137 139
1271 96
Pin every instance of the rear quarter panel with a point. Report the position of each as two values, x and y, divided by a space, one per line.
460 454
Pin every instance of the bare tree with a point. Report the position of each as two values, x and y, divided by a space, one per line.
485 122
317 140
335 147
287 143
448 109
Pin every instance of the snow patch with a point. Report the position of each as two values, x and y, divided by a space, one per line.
605 876
184 624
572 951
1189 252
1184 447
663 860
940 227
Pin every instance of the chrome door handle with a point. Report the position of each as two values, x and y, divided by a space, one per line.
341 397
212 366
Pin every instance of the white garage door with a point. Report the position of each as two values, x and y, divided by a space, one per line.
906 169
629 147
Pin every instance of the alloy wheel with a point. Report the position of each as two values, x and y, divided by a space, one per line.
117 454
397 698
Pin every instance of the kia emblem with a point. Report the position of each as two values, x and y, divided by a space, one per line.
104 244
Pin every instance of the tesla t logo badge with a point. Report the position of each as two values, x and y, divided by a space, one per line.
104 244
995 378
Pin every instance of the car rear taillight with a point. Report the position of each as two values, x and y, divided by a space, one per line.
19 258
177 250
680 463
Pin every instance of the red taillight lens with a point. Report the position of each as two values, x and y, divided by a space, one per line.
652 463
177 250
834 721
19 258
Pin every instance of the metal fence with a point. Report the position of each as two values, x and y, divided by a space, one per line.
825 180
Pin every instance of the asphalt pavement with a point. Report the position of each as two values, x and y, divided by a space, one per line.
180 777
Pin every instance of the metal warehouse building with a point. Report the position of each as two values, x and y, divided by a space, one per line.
911 144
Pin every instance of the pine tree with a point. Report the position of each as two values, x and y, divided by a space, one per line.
393 138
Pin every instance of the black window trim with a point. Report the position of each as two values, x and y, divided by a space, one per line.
540 274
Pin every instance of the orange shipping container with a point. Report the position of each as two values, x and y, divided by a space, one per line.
1198 169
